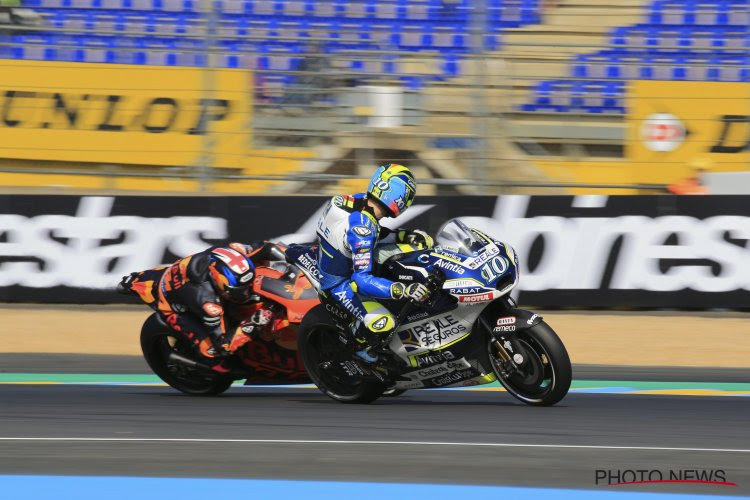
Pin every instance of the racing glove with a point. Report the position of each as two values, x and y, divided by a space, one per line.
414 291
416 237
261 317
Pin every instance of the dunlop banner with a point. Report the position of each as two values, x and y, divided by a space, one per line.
111 113
696 124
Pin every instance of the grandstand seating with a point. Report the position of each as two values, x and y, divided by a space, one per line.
269 35
697 40
703 40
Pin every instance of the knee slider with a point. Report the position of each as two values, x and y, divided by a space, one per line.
378 319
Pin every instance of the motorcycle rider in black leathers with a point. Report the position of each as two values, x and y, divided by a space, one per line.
193 294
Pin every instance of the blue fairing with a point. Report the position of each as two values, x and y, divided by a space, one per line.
492 268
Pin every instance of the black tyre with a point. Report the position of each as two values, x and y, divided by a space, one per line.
158 341
544 377
318 343
393 393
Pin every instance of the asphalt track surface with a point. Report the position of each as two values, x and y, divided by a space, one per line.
450 437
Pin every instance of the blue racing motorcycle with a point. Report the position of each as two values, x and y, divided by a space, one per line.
470 332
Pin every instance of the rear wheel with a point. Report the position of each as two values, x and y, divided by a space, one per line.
158 342
544 376
321 352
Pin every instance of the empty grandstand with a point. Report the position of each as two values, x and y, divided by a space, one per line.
493 91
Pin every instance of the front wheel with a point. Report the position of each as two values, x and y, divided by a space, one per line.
158 342
321 351
544 376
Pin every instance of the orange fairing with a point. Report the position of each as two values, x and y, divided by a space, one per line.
296 294
144 291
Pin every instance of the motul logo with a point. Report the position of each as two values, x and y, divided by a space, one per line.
482 297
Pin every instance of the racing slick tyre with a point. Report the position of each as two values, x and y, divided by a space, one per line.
393 393
158 341
320 349
544 376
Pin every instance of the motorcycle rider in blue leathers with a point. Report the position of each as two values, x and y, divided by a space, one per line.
349 231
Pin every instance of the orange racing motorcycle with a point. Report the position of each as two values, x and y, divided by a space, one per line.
269 359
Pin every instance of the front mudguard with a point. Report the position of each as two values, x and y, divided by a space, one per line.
490 319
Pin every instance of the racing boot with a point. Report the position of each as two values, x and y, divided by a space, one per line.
214 355
367 355
230 342
362 337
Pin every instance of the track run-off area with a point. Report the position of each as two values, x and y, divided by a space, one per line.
70 435
101 426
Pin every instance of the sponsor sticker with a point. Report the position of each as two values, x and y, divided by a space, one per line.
446 367
505 328
416 316
453 378
506 320
213 309
362 230
248 328
450 266
362 262
430 334
530 321
474 299
335 311
433 358
380 324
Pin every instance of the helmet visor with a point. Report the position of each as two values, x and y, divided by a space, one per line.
240 293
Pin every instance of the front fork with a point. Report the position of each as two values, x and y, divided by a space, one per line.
508 350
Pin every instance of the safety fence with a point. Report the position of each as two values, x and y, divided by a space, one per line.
575 251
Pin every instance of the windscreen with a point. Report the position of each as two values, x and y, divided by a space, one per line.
458 237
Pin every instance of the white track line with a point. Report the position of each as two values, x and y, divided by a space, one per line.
346 442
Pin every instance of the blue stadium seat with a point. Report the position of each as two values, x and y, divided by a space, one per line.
149 31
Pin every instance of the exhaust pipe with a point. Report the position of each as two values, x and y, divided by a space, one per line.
178 358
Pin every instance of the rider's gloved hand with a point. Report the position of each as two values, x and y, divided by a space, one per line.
415 237
261 317
414 291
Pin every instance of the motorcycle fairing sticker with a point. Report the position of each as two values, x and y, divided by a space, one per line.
433 333
429 372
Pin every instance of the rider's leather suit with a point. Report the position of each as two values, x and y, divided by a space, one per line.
348 234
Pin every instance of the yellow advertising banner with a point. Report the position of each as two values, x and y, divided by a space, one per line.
122 114
689 124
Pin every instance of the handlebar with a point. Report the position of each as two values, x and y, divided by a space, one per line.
434 283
